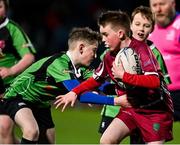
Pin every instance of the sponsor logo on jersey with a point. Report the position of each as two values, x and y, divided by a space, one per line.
78 74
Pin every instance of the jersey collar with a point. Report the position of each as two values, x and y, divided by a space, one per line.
4 23
77 72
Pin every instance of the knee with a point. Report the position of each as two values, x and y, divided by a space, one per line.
6 128
31 133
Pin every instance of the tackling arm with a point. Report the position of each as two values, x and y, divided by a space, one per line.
89 97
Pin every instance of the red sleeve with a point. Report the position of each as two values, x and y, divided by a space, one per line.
148 81
87 85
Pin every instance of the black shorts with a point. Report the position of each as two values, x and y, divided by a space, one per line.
42 115
105 122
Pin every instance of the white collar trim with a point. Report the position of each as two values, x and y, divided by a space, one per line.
4 23
77 72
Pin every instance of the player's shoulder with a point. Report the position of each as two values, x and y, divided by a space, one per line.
137 43
60 60
138 46
12 23
176 22
151 45
108 56
14 28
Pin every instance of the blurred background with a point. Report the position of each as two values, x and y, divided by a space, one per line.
47 23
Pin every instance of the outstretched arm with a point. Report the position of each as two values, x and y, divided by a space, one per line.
87 97
71 97
90 98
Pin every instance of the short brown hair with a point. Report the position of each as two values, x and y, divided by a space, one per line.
146 12
84 34
116 19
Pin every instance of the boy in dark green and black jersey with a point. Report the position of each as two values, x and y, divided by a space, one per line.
29 97
15 46
43 81
16 54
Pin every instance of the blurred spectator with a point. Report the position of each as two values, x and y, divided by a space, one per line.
47 21
166 36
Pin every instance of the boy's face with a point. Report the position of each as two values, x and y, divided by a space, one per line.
2 10
88 53
110 37
141 27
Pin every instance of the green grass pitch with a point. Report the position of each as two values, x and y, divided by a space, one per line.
79 125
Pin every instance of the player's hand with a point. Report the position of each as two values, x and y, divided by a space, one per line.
65 99
118 71
122 101
5 72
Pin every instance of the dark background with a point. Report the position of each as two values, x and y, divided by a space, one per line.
48 22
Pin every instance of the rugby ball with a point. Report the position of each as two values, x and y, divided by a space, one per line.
130 61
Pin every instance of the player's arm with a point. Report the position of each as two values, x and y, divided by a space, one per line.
17 68
75 86
149 81
25 50
71 97
26 61
90 97
87 97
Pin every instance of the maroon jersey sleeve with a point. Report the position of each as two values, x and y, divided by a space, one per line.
87 85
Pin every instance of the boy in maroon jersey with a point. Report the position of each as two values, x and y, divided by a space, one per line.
151 106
